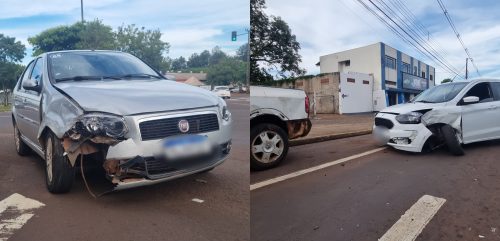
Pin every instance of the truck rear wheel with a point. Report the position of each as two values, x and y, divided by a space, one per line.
60 175
268 146
451 140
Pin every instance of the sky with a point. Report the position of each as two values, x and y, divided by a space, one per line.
328 26
189 26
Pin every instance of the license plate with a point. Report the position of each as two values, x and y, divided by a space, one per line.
186 146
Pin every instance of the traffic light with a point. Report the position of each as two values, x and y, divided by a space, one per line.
233 36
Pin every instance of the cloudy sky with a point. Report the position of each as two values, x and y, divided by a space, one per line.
325 26
188 25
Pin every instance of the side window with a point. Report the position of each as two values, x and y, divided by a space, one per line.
36 74
481 90
496 90
26 75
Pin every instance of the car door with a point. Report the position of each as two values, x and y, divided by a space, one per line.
20 101
495 105
32 103
480 120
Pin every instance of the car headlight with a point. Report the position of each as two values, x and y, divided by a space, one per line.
409 118
224 111
103 124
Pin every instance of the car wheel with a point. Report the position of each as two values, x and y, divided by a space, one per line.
451 140
268 146
21 147
60 175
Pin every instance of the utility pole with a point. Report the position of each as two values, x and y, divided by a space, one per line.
81 8
466 68
248 62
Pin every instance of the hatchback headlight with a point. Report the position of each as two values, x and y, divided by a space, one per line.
224 111
409 118
103 124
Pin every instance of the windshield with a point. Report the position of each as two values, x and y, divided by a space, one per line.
78 66
440 93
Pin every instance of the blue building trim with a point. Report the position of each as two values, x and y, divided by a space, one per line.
382 72
427 75
399 80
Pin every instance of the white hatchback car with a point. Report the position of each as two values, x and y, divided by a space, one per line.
450 114
222 91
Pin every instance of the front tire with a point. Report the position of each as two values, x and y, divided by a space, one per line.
60 175
451 140
268 146
21 148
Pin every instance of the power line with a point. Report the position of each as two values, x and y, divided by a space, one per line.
422 49
457 34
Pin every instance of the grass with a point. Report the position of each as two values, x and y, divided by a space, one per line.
4 108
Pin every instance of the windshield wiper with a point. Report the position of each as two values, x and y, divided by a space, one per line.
139 75
83 77
425 101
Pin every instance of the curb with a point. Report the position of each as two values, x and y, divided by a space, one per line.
328 137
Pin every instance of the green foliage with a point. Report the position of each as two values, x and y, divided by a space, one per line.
143 43
446 81
216 56
199 60
178 64
96 35
227 71
242 53
57 38
274 49
10 49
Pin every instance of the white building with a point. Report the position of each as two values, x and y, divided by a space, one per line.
397 76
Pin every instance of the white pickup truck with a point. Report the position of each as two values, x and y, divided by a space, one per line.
276 116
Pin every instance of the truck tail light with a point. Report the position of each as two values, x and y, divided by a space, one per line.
307 105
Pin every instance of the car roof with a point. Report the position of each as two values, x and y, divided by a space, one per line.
478 80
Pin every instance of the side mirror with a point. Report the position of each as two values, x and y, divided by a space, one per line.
470 100
31 84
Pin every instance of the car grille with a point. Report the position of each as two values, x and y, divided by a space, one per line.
161 128
383 122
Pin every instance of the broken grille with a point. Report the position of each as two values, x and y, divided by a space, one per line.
162 128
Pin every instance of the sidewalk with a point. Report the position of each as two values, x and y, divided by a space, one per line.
333 126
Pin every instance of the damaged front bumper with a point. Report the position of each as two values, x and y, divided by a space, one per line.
406 137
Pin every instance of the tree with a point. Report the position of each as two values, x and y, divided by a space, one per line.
216 56
57 38
274 49
178 64
242 53
145 44
446 81
199 60
96 35
227 71
11 52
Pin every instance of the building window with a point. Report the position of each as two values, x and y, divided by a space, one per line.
366 82
423 74
406 68
325 81
388 82
351 80
390 62
415 71
431 77
346 63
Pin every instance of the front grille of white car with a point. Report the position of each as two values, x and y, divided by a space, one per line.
162 128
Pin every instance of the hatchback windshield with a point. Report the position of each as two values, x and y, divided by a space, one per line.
97 65
440 93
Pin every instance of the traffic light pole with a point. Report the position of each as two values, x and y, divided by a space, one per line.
234 35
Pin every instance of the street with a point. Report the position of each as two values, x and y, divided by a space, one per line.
209 206
362 198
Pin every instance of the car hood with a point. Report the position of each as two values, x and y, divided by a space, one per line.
128 97
409 107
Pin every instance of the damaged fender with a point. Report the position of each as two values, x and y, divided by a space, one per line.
451 116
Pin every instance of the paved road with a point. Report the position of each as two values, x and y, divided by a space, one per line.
161 212
362 198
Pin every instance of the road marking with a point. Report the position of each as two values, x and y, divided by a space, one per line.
197 200
19 209
411 224
311 169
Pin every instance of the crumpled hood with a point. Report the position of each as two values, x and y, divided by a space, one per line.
128 97
409 107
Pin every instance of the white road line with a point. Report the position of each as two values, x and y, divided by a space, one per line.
311 169
19 213
411 224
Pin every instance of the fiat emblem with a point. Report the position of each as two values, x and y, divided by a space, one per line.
183 126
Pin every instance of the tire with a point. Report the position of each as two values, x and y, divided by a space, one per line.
21 148
268 146
451 140
208 170
59 174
